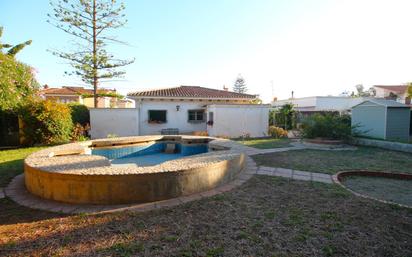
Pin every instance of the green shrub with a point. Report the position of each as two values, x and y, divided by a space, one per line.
45 122
80 114
284 117
277 132
328 126
17 82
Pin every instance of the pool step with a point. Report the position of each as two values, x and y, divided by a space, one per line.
170 148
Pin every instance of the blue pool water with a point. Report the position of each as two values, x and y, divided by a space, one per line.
149 155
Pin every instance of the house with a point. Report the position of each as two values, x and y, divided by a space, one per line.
314 104
67 94
395 92
184 110
382 119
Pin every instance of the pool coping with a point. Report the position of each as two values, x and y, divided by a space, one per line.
17 192
338 177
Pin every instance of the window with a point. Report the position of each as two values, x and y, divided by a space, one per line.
157 116
196 115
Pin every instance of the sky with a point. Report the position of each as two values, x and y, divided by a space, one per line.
310 47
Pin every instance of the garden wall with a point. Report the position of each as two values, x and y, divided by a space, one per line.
119 122
237 120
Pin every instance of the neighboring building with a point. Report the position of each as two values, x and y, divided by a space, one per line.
82 95
185 110
315 104
398 93
383 119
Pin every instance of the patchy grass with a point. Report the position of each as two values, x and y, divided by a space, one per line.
266 216
367 158
265 143
11 163
389 189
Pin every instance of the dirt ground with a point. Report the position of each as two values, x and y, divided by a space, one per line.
266 216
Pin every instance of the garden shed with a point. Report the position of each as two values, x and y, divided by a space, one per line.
383 119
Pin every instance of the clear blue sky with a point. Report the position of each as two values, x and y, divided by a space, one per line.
314 47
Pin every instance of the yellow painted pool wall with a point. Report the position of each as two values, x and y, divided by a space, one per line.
133 188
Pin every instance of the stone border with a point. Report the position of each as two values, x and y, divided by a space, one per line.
295 174
17 191
394 146
338 178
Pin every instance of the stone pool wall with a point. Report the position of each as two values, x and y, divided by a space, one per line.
116 186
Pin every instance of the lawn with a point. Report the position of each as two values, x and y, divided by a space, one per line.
265 143
266 216
367 158
11 163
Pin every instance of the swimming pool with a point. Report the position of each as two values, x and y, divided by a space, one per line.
150 154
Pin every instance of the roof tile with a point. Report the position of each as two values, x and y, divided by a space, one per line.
191 91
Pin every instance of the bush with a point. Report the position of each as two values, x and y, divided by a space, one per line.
277 132
17 82
284 117
328 126
45 122
80 114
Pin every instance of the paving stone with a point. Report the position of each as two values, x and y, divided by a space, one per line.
261 171
301 177
323 180
282 172
225 188
321 175
190 198
209 193
301 173
168 203
245 176
142 207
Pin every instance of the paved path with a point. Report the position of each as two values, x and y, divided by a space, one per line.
295 174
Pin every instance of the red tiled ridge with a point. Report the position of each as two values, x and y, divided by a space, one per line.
66 90
191 91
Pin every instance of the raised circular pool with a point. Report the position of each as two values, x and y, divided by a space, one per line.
131 169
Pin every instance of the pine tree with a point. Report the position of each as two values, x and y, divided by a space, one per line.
240 86
89 21
13 49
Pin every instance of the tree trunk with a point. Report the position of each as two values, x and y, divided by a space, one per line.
95 81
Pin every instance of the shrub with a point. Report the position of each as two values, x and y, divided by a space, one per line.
80 114
328 126
17 82
284 117
45 122
277 132
80 133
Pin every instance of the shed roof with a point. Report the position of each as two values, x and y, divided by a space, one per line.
384 102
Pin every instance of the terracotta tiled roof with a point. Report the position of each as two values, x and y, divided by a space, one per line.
395 88
72 91
192 92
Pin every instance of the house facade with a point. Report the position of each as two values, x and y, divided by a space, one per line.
395 92
67 94
186 110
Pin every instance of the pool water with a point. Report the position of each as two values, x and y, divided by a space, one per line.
150 154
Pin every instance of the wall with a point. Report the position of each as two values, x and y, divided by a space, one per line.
175 119
237 120
121 122
321 103
398 123
370 119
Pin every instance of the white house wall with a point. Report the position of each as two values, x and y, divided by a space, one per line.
119 122
175 119
238 120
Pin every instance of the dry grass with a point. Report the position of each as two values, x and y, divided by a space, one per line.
367 158
265 217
